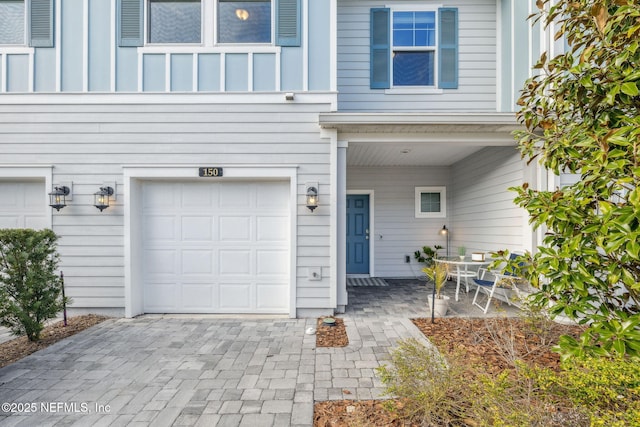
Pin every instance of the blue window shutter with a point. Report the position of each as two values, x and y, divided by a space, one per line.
130 25
448 48
41 23
288 22
380 48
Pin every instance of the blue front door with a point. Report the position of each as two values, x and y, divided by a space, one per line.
358 234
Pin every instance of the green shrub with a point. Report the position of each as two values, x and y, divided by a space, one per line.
605 388
425 382
30 290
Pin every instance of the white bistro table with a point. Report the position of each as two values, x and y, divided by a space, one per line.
462 269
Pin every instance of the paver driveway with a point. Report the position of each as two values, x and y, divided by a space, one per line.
209 371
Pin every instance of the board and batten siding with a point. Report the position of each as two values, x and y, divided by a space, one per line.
89 143
397 232
477 61
85 57
484 216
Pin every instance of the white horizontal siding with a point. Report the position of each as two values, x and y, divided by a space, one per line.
88 145
477 66
396 230
484 216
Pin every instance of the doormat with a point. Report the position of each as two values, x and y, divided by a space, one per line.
366 281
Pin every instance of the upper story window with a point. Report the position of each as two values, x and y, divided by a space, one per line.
12 22
26 23
414 48
244 21
174 21
208 22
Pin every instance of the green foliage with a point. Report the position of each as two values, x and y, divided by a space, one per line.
608 390
30 290
427 254
581 114
421 377
437 272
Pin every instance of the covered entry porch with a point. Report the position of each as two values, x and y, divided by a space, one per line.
398 162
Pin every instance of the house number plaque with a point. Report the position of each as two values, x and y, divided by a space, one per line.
210 172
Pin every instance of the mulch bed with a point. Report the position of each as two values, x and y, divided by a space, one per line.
17 348
477 339
331 335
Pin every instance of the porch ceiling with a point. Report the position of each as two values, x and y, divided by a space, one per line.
397 139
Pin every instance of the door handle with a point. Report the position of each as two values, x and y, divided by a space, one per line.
367 234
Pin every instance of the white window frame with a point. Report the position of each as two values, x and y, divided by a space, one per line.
25 29
434 49
208 27
443 201
404 90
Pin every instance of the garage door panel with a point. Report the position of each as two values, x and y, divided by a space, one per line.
212 250
35 222
197 262
161 296
159 261
197 228
160 227
270 295
160 196
235 195
271 262
235 297
235 228
197 195
24 205
272 229
197 296
10 221
234 262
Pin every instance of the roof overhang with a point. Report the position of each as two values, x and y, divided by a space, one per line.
418 139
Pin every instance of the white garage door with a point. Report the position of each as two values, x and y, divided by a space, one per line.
23 204
215 247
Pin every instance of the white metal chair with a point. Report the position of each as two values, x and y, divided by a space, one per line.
500 283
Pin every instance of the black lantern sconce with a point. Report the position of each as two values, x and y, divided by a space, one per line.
58 197
101 198
312 197
444 231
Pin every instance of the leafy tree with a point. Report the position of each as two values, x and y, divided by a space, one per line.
30 290
581 114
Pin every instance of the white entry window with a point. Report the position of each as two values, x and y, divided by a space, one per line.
216 247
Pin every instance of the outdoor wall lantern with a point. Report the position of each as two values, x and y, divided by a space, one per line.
312 197
102 197
58 197
444 231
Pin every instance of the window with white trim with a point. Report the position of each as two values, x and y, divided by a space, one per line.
25 23
414 47
12 22
431 202
207 22
233 21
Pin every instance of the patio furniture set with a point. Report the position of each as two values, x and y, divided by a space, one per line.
492 283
